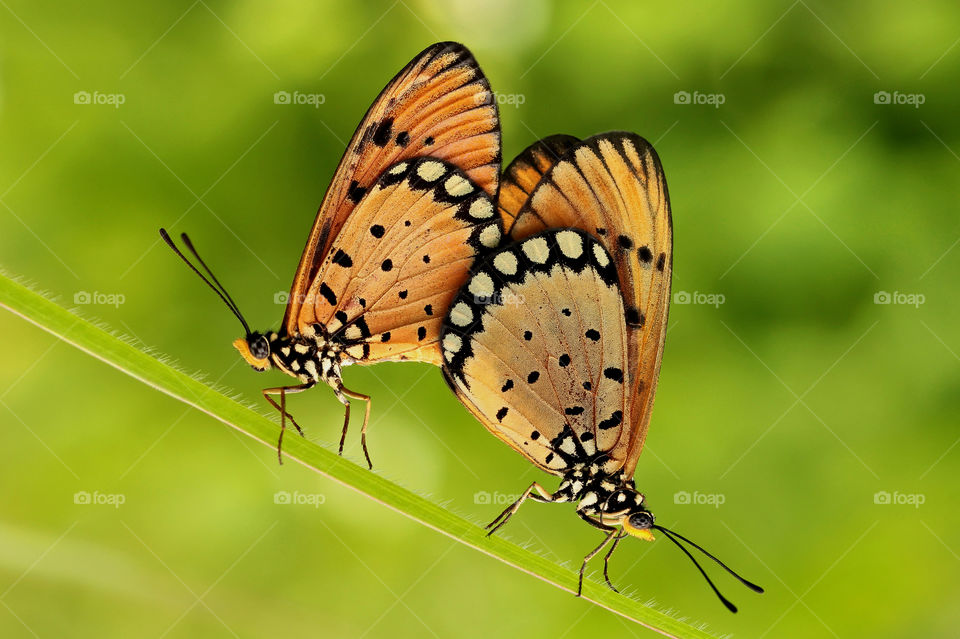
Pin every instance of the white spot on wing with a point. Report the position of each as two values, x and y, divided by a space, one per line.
462 314
600 255
481 285
430 170
490 236
452 343
537 250
570 243
481 208
398 169
457 186
506 263
353 332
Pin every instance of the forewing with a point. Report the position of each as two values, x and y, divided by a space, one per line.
612 185
524 173
535 345
386 284
439 105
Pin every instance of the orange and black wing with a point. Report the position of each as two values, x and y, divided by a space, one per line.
524 173
535 345
612 186
392 272
439 105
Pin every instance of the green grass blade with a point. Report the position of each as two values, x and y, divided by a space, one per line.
95 341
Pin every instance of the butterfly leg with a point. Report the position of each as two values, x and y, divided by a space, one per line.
363 429
593 553
606 560
282 407
544 497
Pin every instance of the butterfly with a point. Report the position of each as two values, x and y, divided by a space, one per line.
409 208
554 342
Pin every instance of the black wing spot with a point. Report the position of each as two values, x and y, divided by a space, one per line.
601 231
634 317
363 302
625 242
613 373
426 259
383 132
421 332
527 335
533 377
328 294
646 256
403 294
587 386
356 192
341 316
342 259
564 360
403 138
377 231
535 435
548 458
661 261
592 334
428 140
611 422
385 337
507 385
586 436
387 265
502 413
428 309
566 312
573 410
406 222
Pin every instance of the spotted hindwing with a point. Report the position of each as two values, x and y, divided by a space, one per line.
613 187
440 105
535 345
384 288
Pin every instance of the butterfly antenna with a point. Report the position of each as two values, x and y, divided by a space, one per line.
218 289
726 602
749 584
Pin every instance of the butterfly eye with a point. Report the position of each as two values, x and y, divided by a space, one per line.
260 348
642 519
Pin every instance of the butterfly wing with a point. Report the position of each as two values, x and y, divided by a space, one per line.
440 105
535 345
384 286
612 185
524 173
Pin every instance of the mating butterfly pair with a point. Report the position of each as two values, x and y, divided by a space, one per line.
418 251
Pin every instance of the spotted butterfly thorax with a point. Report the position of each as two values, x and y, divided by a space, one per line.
539 345
409 208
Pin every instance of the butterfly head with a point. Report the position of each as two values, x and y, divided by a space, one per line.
255 349
639 523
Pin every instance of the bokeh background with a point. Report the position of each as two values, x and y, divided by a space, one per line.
806 424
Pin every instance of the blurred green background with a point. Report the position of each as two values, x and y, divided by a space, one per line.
811 429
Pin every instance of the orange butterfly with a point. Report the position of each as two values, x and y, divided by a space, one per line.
407 211
555 341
